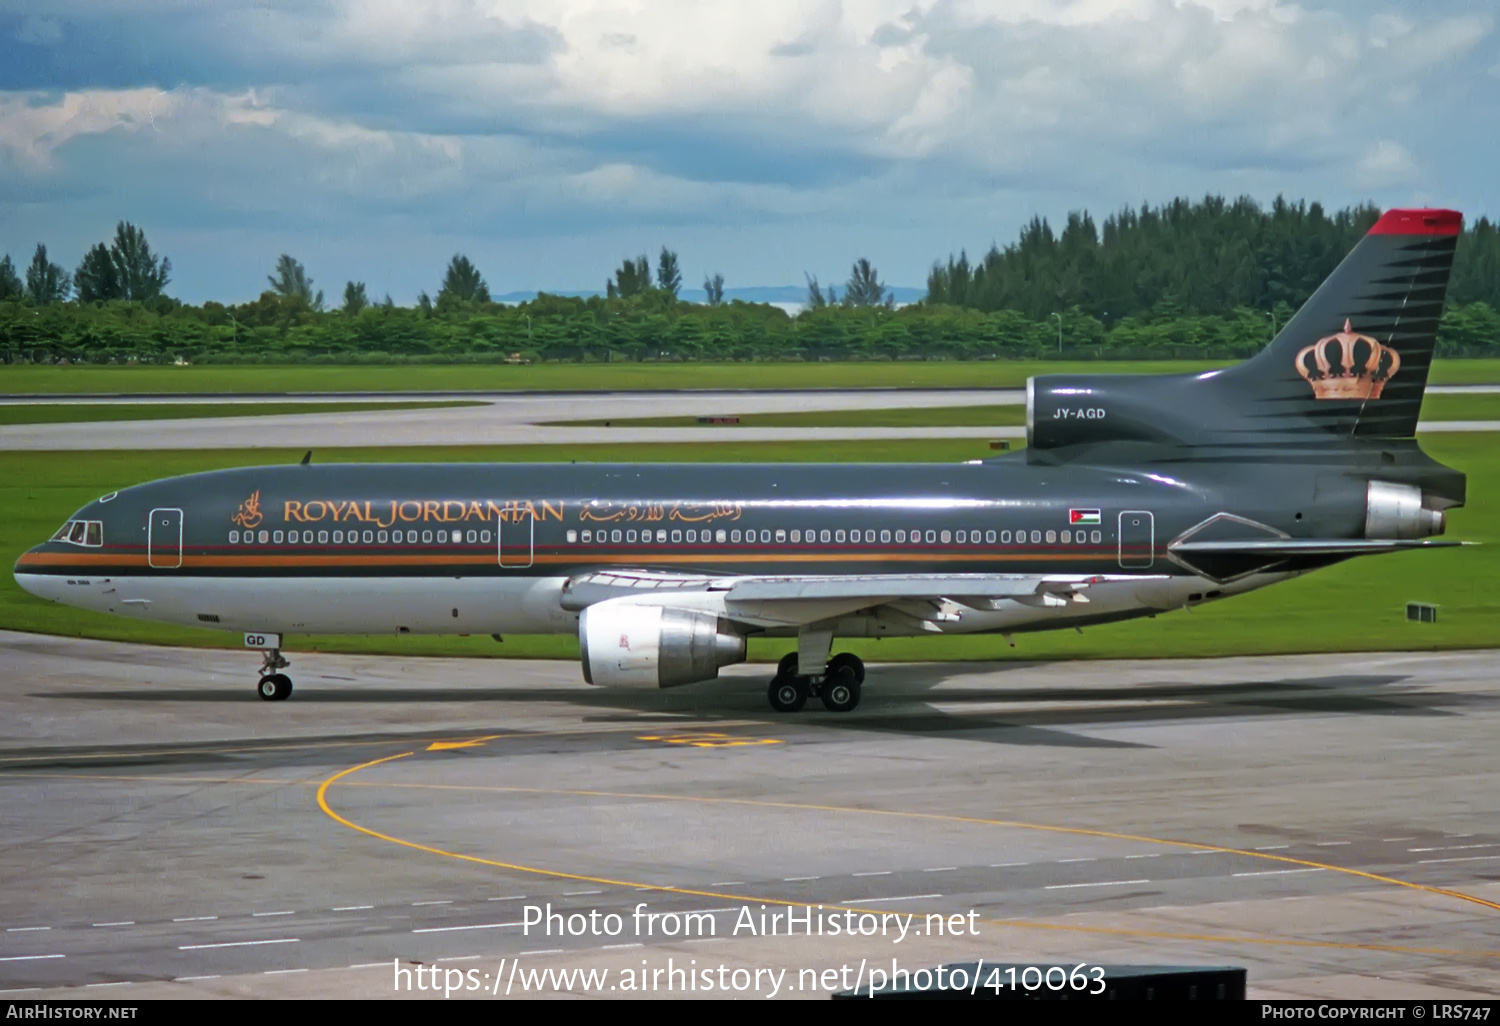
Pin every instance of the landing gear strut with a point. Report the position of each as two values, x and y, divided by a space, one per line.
838 686
274 685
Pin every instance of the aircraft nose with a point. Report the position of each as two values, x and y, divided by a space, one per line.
43 586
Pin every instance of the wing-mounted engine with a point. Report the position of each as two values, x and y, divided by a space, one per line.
627 644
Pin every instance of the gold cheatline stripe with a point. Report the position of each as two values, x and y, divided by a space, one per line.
59 559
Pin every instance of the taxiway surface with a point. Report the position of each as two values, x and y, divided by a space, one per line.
1330 822
533 419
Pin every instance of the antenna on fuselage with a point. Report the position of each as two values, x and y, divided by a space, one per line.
306 457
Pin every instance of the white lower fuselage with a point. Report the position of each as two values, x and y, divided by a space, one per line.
532 605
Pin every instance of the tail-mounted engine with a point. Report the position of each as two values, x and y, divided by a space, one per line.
1397 511
626 645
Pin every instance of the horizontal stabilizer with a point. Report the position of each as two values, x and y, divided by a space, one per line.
1308 546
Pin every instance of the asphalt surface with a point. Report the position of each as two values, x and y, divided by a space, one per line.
164 833
530 419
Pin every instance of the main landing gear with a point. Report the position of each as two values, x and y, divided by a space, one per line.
274 685
838 687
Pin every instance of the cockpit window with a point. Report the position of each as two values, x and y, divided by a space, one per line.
88 533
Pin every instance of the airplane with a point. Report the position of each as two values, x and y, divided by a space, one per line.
1134 495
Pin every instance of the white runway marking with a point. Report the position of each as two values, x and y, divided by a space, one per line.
875 901
123 922
28 958
940 869
1331 844
279 972
418 904
1272 847
1077 860
476 926
1102 883
352 908
616 947
544 951
1153 855
115 983
262 915
239 944
26 929
185 979
574 894
508 897
1281 872
196 919
875 872
1464 858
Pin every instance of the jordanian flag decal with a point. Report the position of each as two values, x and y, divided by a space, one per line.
1083 516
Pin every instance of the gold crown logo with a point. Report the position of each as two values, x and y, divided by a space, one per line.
1347 365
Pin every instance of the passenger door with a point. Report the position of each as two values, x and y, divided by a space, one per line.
164 539
1137 539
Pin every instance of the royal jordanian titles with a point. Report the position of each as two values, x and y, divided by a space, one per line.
1133 496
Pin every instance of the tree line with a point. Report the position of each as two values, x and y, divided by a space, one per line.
1209 279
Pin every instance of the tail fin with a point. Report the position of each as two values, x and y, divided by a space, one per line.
1354 359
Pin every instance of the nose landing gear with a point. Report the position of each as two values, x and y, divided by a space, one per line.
838 686
274 685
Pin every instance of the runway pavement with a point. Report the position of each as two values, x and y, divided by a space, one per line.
1330 822
530 419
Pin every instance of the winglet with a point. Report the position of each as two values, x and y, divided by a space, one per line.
306 457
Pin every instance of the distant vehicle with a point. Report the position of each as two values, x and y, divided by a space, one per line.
1134 496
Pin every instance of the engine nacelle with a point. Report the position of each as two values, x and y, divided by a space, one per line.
1396 511
626 645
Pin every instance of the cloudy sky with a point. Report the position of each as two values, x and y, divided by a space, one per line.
549 138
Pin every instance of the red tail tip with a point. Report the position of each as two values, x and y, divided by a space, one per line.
1419 222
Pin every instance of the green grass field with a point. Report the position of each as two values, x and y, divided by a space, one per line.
260 379
1353 607
67 413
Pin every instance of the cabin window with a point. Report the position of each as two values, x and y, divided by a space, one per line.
931 537
426 537
1082 537
1036 537
825 536
719 537
765 537
961 537
264 537
1067 536
322 537
383 537
885 536
473 537
796 536
249 537
588 535
900 536
1051 537
944 537
781 536
692 535
234 537
396 536
1005 537
1095 537
973 537
676 537
338 536
734 536
838 536
369 537
989 537
630 536
616 536
276 537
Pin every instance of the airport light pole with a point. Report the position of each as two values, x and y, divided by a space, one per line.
1059 333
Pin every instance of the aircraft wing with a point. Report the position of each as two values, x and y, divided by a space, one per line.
1309 546
795 600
